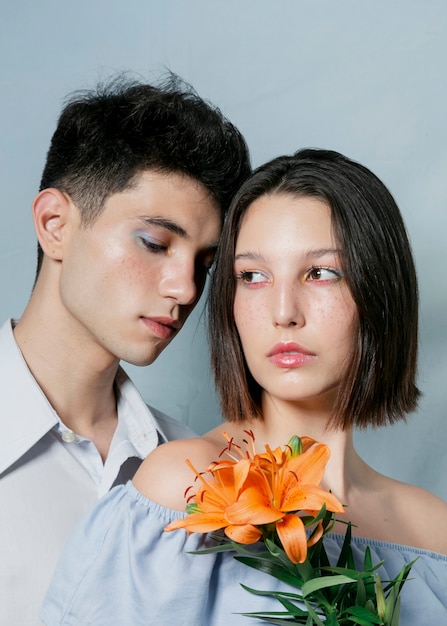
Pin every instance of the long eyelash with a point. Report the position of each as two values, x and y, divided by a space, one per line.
242 275
333 270
151 246
337 272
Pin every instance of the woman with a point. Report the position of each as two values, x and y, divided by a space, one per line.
313 327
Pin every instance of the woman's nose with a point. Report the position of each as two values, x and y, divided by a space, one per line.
287 308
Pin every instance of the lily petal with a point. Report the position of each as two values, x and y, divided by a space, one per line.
199 523
250 511
247 533
310 498
308 467
316 535
293 537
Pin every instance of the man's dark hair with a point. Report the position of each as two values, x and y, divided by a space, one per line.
379 384
107 136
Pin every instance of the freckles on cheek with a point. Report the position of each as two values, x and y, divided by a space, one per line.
249 317
127 268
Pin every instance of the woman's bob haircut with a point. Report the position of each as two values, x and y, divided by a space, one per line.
378 386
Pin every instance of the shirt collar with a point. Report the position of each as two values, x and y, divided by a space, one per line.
136 417
27 415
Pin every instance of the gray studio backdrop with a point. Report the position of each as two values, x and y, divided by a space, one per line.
363 77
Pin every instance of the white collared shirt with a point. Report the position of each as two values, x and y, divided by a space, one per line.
49 476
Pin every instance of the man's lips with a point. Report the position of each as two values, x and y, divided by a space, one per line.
290 355
162 327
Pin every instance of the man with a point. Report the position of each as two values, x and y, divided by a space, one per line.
128 217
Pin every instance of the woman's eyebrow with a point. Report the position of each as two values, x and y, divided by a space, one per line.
322 252
249 256
309 254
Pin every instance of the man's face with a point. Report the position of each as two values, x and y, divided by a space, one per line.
129 281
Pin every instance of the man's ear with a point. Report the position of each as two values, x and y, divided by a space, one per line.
51 214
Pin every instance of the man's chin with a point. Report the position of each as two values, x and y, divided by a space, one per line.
141 361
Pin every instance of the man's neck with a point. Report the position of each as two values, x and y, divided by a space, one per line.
76 378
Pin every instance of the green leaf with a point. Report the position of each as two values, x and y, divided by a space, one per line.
289 606
353 573
320 515
395 618
363 622
278 553
277 621
285 594
273 569
346 558
317 555
315 584
370 605
314 615
360 596
364 615
380 598
331 619
225 547
367 561
392 610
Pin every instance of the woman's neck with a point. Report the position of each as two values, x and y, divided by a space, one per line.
346 473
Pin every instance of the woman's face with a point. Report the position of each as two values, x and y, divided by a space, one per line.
293 309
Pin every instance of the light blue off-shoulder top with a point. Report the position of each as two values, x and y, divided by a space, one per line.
121 569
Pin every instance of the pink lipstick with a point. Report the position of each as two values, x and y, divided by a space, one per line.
290 355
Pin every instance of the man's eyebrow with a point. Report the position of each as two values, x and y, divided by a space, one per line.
163 222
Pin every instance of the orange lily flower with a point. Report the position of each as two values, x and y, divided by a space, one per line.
282 485
246 496
219 491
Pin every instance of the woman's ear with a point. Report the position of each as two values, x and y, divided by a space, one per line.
51 213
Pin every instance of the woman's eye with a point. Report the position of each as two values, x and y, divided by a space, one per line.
323 274
251 277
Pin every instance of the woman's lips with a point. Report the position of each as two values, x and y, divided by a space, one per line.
290 355
162 327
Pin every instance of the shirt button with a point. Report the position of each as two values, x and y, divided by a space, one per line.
68 437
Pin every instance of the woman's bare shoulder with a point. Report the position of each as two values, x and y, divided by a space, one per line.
165 475
422 514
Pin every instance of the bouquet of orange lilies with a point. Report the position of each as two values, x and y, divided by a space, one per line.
275 497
